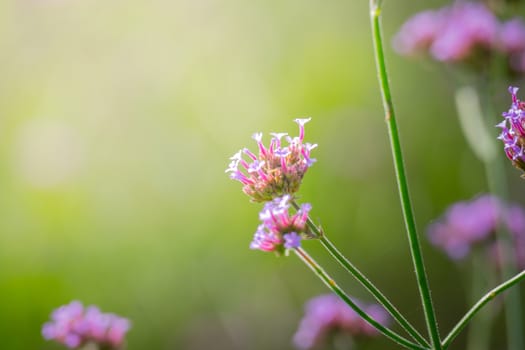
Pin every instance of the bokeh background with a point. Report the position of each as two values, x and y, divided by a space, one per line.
117 119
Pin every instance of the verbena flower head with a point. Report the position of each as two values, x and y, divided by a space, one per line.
465 32
451 34
470 224
280 230
326 315
513 131
278 168
74 325
470 29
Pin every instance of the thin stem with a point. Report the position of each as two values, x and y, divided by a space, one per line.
330 283
482 302
481 275
359 276
417 257
374 291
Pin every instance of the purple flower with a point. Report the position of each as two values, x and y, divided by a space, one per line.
464 32
418 33
451 34
512 36
513 131
474 223
277 169
73 326
280 230
469 28
514 220
327 313
118 327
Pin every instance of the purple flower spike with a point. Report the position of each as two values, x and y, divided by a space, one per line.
280 230
326 314
74 326
513 131
277 169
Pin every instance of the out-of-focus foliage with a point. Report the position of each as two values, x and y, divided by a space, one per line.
117 119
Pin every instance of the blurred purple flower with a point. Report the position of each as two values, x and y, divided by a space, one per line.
327 313
512 36
280 230
277 170
451 34
513 131
474 223
464 224
73 326
418 33
464 32
512 43
469 28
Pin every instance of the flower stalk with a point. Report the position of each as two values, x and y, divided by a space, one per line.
417 257
365 282
330 283
479 305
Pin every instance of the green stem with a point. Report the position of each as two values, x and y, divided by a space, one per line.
481 274
482 302
359 276
330 283
417 257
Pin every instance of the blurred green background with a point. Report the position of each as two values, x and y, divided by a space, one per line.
117 119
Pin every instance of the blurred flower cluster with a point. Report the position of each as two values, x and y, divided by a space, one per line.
277 170
327 314
513 131
464 32
280 230
470 224
74 325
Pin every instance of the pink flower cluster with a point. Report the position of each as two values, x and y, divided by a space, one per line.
327 314
473 223
73 326
277 170
280 231
466 32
